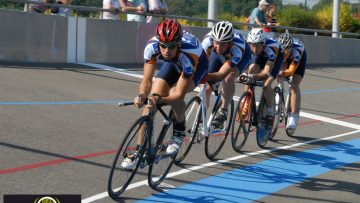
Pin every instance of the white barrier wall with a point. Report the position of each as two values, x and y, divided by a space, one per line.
32 37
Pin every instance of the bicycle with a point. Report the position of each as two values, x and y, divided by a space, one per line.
247 115
282 107
197 114
148 153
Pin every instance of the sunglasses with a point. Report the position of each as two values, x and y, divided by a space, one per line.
256 44
170 45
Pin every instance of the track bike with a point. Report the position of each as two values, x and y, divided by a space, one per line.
199 125
146 151
247 115
282 106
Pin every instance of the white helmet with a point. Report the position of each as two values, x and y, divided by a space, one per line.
223 31
256 35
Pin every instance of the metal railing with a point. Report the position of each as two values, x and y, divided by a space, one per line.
101 11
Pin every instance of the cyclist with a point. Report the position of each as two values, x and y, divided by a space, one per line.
229 55
294 65
184 66
266 60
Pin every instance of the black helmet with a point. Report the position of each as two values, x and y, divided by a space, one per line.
286 40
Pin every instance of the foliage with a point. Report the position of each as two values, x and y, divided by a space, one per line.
296 17
347 21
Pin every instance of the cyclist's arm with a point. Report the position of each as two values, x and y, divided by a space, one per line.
221 74
291 70
146 83
266 72
182 87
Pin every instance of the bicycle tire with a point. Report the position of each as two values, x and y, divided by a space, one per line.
278 112
262 136
190 123
163 161
289 132
236 141
217 140
126 146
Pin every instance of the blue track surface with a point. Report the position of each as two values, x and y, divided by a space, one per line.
257 181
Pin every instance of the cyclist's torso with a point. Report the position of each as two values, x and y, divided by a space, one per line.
297 52
234 54
272 49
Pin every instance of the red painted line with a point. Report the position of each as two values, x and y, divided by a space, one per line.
53 162
59 161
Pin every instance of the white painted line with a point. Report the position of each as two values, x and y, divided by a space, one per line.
209 164
330 120
116 70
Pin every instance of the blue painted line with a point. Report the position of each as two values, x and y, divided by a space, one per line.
62 102
117 101
257 181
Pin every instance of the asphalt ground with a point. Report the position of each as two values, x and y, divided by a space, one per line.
60 127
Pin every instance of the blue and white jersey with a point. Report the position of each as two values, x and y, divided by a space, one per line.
188 55
297 51
272 48
234 55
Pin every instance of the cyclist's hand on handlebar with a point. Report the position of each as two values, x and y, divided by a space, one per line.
154 100
248 78
139 100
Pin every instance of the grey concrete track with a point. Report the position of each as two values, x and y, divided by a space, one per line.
60 126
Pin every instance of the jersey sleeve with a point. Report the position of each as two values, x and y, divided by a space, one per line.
151 51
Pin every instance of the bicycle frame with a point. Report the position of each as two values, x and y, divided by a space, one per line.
206 121
151 152
282 93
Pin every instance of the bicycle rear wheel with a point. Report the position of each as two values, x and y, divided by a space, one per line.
120 178
241 124
278 111
193 120
217 137
162 161
262 134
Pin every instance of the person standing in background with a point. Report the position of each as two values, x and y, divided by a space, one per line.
257 16
40 8
113 5
156 7
271 18
139 6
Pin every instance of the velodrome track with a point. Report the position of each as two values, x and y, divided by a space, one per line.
60 127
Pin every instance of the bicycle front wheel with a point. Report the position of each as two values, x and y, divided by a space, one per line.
120 177
262 133
193 121
217 137
241 122
162 161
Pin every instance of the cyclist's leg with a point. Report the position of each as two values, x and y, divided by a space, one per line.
296 93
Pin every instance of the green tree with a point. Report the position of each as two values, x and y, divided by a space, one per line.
295 16
347 21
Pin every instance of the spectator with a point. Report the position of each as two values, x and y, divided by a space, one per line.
138 6
41 8
113 5
271 18
258 14
156 7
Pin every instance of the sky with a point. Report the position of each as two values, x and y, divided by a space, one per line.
311 3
